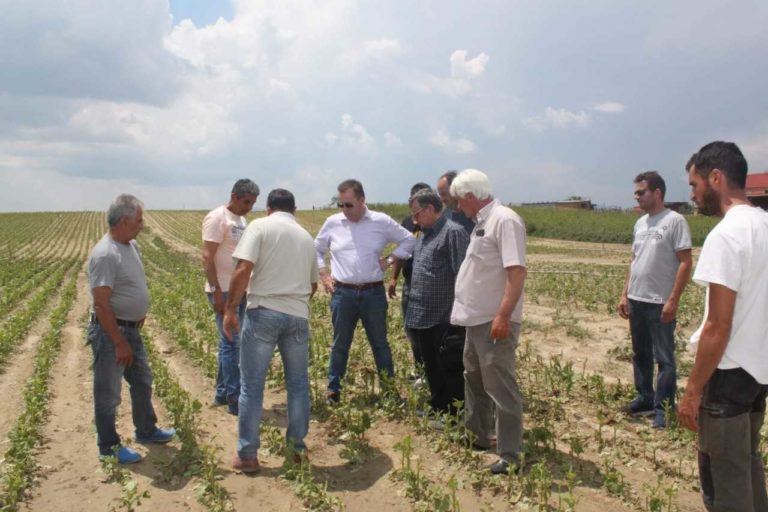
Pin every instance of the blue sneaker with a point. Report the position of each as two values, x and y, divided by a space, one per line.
124 455
159 436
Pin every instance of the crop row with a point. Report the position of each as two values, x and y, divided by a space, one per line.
26 434
17 324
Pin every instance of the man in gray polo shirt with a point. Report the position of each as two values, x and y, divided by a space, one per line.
120 303
661 266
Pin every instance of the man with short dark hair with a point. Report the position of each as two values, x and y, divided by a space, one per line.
276 263
406 266
724 398
437 258
356 238
222 228
452 210
120 303
660 268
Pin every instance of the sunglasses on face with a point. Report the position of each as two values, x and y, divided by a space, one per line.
639 193
345 205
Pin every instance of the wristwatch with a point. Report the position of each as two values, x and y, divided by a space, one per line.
391 259
214 287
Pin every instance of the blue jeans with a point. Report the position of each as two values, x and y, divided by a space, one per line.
652 340
107 382
262 330
349 305
228 373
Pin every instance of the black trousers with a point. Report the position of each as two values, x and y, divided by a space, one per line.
442 348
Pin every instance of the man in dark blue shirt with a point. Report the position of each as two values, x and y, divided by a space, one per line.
452 211
437 258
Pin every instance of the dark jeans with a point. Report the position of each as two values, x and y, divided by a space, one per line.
107 381
349 305
442 347
228 373
415 349
652 340
730 466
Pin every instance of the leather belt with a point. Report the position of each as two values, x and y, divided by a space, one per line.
131 324
361 286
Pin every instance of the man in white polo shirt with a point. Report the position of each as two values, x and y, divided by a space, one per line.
276 261
725 396
489 303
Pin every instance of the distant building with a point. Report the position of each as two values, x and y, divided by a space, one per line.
757 189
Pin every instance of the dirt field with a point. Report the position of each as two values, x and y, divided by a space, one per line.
582 453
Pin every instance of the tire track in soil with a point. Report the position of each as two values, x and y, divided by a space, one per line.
263 491
71 477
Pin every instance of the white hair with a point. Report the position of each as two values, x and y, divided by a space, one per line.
471 181
124 205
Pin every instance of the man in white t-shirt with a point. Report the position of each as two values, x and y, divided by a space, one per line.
661 266
222 228
725 396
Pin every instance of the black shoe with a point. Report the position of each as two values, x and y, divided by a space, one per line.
502 467
233 408
639 408
218 402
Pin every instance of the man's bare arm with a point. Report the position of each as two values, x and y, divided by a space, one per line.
108 322
669 312
712 343
512 292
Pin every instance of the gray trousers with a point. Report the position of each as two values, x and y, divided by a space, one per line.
730 464
489 379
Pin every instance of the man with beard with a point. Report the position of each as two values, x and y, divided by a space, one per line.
724 399
661 266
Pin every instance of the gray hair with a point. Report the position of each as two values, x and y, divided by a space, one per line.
425 197
245 186
124 205
471 181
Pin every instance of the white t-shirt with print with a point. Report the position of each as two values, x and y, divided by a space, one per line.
735 255
225 228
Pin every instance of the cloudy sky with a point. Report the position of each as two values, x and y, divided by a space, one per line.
174 101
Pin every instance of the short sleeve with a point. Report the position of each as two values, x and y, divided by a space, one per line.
213 227
721 262
682 234
511 240
250 244
102 271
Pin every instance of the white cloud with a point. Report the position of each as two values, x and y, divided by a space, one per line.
391 140
557 118
609 107
463 71
371 51
458 145
467 69
353 136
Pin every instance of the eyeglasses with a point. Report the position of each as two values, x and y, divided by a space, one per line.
640 193
345 205
414 214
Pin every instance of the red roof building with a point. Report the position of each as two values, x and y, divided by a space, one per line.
757 189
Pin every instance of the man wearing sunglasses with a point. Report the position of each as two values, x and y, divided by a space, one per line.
356 238
661 265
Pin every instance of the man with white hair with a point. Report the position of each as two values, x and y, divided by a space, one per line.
120 303
489 303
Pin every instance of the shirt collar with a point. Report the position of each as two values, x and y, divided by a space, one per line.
485 211
436 227
283 214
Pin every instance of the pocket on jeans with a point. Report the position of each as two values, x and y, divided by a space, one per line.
730 393
302 331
